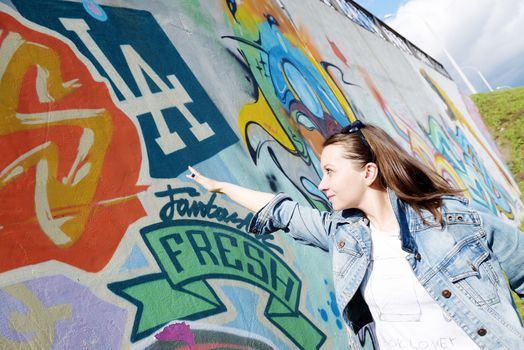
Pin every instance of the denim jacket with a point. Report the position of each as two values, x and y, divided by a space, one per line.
461 264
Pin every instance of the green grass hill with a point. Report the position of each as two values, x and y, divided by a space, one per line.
503 113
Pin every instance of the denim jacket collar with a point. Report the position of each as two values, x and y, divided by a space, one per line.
402 212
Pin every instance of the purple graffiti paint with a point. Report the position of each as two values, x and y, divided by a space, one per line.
10 305
179 332
87 322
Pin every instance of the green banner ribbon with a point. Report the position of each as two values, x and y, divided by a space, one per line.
190 252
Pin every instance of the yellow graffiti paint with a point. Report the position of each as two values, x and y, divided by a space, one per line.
465 122
245 18
70 194
261 114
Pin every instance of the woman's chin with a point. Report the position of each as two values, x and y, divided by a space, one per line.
335 206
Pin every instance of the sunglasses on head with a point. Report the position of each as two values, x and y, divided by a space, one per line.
354 128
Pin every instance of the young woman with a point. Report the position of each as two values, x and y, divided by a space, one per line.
414 264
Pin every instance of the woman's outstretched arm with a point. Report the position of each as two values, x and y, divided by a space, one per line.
248 198
274 212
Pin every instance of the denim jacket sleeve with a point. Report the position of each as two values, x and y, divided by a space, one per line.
305 224
507 244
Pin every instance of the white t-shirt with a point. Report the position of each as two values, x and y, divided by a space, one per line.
406 316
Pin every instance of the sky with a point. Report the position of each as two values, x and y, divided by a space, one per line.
484 37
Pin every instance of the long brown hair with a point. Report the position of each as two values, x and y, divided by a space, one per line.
412 182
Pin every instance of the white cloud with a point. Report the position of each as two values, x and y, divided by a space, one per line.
485 34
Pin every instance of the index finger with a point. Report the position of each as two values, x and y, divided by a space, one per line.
192 171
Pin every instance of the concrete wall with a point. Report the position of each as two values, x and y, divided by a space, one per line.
104 243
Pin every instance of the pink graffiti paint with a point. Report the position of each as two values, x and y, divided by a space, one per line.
178 331
95 9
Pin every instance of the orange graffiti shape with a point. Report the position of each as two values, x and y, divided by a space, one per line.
337 52
70 157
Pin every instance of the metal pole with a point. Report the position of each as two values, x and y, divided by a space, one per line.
448 55
452 60
485 81
481 76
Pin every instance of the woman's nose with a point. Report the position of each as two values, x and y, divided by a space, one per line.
322 185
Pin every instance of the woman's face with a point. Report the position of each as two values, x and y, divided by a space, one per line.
343 181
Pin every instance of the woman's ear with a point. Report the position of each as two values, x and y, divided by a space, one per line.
370 173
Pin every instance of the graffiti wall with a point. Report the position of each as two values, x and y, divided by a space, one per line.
104 243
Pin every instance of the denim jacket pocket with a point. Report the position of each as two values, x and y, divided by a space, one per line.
469 268
346 250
